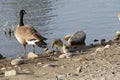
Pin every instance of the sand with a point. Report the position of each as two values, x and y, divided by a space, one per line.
89 65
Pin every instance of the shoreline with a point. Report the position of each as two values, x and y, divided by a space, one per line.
93 64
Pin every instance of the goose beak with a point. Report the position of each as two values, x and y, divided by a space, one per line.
25 13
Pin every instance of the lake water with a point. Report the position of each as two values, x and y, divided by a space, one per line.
57 18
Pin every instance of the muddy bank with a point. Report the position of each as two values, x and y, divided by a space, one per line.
93 64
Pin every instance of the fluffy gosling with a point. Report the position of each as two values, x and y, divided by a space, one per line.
57 43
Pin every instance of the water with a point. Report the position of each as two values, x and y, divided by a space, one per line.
57 18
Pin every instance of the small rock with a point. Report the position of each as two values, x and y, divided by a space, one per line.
62 66
57 52
61 77
3 69
93 53
27 71
1 56
32 55
50 65
39 63
66 55
79 69
100 49
9 68
11 73
107 46
17 61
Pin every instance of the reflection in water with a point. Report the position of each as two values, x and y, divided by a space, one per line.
8 31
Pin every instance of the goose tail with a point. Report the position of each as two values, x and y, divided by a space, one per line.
41 44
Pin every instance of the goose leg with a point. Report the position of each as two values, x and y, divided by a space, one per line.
33 48
24 46
57 49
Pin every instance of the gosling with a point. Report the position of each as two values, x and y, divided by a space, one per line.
65 49
57 43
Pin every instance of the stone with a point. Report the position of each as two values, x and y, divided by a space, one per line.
17 61
39 63
66 55
32 55
100 49
78 38
107 46
79 69
3 69
61 77
10 73
1 56
50 65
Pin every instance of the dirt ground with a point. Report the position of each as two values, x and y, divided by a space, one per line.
89 65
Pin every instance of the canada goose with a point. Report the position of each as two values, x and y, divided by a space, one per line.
26 34
57 43
119 16
65 48
117 36
67 37
77 39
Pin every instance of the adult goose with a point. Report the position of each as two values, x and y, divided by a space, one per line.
26 34
119 15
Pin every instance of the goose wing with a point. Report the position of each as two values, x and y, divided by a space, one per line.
31 33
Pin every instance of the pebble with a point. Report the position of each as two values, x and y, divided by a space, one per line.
17 61
50 65
27 71
61 76
1 56
63 66
66 55
32 55
39 63
79 69
107 46
93 53
11 73
100 49
3 69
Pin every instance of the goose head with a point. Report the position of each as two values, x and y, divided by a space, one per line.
22 12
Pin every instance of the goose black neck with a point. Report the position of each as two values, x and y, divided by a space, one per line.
21 23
